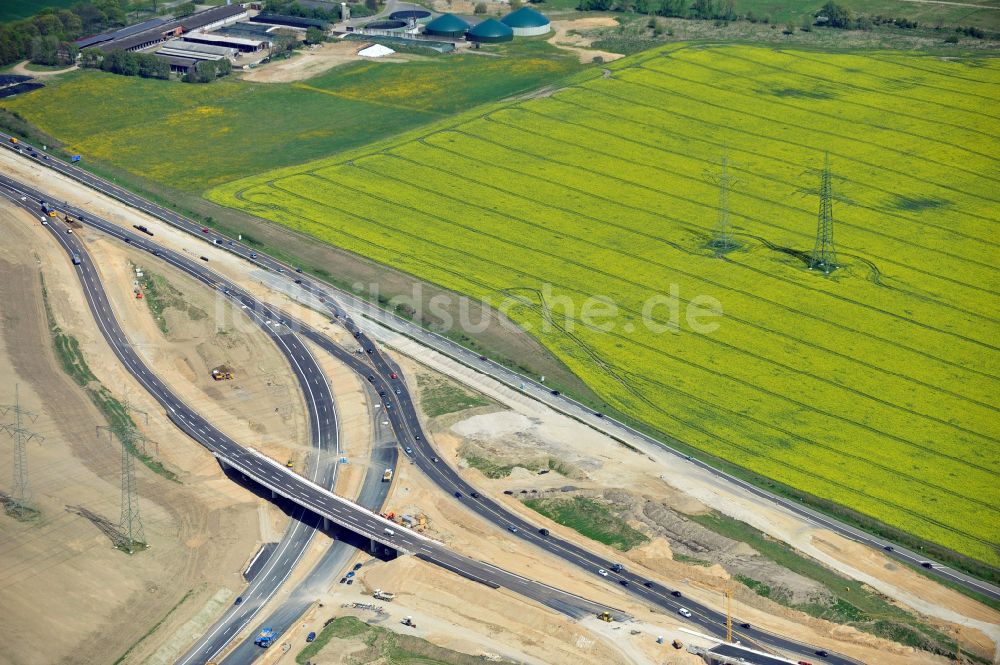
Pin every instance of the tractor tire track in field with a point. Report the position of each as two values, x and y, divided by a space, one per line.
844 299
542 159
842 100
647 287
799 212
709 164
869 184
847 157
658 351
830 117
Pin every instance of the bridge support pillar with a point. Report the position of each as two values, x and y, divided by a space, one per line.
373 547
274 495
326 524
224 464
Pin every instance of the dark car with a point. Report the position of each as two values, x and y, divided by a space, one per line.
888 548
745 625
675 594
128 240
822 653
239 599
482 357
350 582
381 393
508 492
543 532
475 495
204 258
371 377
598 414
458 495
623 582
343 580
647 584
555 392
311 636
357 333
357 566
926 564
298 281
298 270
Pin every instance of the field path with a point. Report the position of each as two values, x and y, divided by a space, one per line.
20 68
955 4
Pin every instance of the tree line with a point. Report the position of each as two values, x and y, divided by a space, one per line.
46 38
147 65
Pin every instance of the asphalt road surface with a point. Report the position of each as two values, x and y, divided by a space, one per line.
265 471
527 385
406 424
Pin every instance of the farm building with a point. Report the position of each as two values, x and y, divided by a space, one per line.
210 19
526 22
490 31
293 22
87 42
243 44
178 64
447 25
181 49
141 36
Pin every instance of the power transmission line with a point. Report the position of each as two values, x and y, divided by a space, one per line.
20 502
131 534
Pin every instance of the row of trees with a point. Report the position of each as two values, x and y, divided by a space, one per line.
148 65
699 9
46 37
331 13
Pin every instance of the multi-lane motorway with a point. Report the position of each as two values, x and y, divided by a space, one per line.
528 385
380 372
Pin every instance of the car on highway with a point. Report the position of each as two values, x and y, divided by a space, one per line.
435 460
393 376
623 582
510 527
69 230
543 532
458 495
253 255
822 653
398 391
888 548
745 625
482 357
475 495
555 392
239 600
647 584
204 229
416 437
602 572
409 451
926 564
298 281
675 594
684 612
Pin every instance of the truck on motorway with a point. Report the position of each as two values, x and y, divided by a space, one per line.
265 637
48 210
387 475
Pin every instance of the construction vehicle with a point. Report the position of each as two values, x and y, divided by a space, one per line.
49 210
142 228
222 373
14 140
605 616
290 463
408 621
677 644
387 475
387 596
265 637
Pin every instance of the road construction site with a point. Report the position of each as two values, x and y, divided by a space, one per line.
590 461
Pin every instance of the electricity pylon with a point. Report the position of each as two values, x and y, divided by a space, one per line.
824 255
131 533
722 240
21 495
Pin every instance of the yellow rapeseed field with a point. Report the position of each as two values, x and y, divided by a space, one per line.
875 387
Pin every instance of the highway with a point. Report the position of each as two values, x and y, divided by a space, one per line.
613 428
324 574
400 411
265 471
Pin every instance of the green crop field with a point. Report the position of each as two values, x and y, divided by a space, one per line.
192 137
876 387
11 10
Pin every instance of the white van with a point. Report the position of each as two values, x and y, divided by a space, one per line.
389 532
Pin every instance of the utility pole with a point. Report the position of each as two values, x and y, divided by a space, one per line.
722 240
824 255
131 534
21 497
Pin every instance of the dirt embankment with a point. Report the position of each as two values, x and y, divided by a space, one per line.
67 595
572 36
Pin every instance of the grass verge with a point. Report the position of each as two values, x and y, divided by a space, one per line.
73 363
385 646
855 604
439 397
590 518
